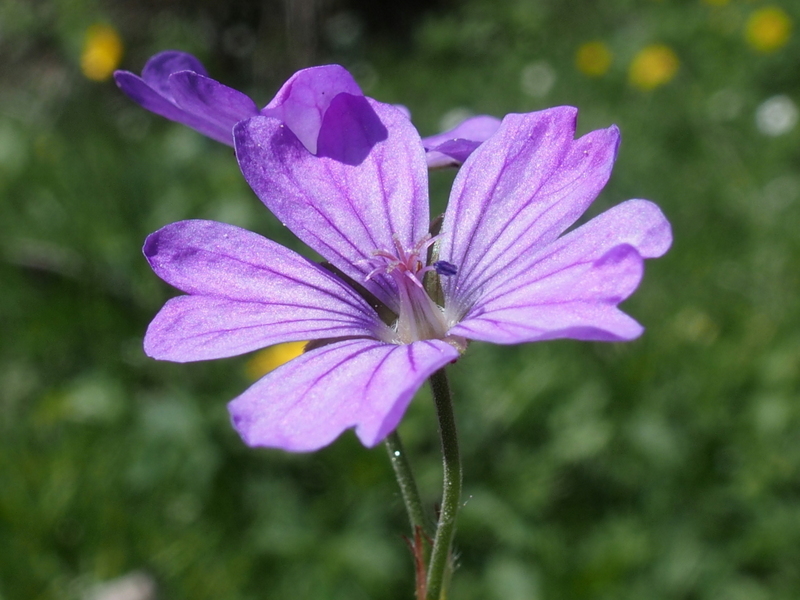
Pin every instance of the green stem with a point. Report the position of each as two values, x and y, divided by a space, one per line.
408 487
440 564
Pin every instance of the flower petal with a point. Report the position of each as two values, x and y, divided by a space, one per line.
451 148
157 70
570 289
153 92
343 211
577 321
304 99
247 292
308 402
137 90
518 192
218 105
192 328
450 154
563 296
637 223
350 130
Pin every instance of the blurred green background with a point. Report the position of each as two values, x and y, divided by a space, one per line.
666 468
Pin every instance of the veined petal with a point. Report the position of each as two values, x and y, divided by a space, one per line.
343 211
308 402
218 105
636 223
191 328
215 259
518 192
574 320
246 292
157 70
565 295
150 99
453 147
304 99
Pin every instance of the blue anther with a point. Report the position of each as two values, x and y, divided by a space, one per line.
445 268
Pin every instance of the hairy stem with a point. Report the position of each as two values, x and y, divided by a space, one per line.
408 486
440 564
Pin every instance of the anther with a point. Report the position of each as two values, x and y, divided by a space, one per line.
442 267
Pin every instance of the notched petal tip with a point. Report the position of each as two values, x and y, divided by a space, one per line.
640 223
610 138
307 403
564 118
623 269
658 230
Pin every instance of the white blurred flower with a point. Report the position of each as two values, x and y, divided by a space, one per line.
134 586
537 79
776 116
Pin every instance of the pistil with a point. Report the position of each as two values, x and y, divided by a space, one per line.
419 318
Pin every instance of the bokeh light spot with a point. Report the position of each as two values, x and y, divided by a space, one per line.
653 66
537 79
776 116
102 52
768 29
593 59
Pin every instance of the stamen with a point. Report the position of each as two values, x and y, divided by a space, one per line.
442 267
419 317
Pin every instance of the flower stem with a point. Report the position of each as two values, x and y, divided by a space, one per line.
440 564
408 486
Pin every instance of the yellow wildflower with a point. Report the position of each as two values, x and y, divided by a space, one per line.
102 52
271 358
593 59
768 29
653 66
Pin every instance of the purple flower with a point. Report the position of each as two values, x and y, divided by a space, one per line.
176 85
508 273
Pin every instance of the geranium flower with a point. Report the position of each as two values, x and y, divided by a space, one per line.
507 274
176 85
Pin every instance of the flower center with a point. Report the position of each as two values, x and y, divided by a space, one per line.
419 318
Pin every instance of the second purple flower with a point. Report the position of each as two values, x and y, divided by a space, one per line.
176 86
